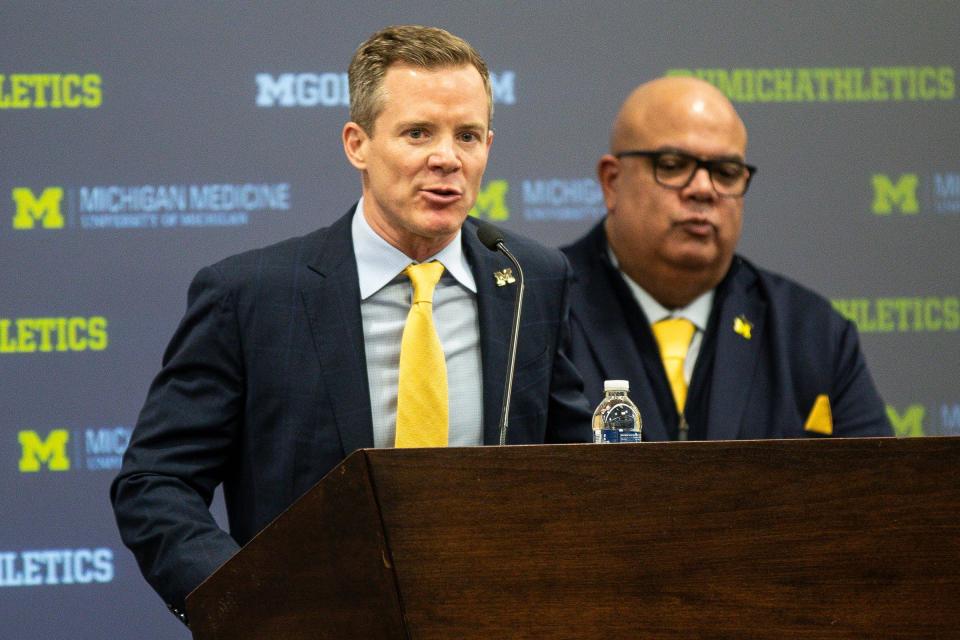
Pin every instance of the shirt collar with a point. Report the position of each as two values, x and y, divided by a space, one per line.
697 312
379 262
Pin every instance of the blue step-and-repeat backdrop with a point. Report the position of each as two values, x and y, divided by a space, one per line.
140 141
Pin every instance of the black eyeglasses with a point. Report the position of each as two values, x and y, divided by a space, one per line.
675 170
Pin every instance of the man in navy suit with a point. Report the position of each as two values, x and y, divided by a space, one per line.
713 346
287 358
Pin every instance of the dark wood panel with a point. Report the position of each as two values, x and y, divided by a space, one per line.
788 539
320 570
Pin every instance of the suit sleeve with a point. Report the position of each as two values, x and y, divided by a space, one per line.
180 448
855 403
569 414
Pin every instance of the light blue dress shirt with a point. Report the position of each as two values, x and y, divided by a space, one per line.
385 298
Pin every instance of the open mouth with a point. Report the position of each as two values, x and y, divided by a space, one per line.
442 195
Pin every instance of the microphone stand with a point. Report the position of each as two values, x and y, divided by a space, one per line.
492 239
514 335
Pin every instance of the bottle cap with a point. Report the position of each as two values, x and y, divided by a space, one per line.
616 385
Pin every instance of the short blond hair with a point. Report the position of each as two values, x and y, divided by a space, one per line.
426 47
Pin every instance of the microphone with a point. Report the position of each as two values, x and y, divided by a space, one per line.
492 238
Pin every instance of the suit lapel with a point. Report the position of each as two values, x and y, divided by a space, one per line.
332 303
495 314
618 344
740 333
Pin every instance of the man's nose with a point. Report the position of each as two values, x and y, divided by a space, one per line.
444 157
701 185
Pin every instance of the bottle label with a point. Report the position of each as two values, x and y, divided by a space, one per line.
611 436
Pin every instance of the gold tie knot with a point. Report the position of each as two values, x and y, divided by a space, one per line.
424 277
673 336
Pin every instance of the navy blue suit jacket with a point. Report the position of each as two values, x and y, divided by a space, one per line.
264 389
763 386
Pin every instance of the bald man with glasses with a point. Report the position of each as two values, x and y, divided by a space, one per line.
714 347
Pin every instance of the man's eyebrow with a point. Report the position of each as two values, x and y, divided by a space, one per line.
426 124
732 157
414 124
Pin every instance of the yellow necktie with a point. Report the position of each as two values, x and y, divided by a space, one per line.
674 336
422 400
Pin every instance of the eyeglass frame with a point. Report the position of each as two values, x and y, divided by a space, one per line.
699 162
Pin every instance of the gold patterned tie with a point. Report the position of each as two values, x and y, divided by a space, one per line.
673 336
422 400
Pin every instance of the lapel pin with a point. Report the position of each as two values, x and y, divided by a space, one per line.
742 327
503 278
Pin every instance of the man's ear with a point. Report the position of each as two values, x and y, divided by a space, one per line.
608 172
355 144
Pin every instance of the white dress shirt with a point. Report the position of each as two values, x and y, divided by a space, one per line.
385 298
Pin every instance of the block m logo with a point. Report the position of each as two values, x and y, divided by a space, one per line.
903 194
492 201
908 425
52 451
31 210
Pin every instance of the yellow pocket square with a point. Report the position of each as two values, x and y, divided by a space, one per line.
820 419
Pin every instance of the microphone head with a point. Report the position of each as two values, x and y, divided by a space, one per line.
489 235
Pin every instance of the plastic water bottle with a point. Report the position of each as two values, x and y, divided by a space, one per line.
616 419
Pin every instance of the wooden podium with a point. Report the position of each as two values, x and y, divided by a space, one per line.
804 539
